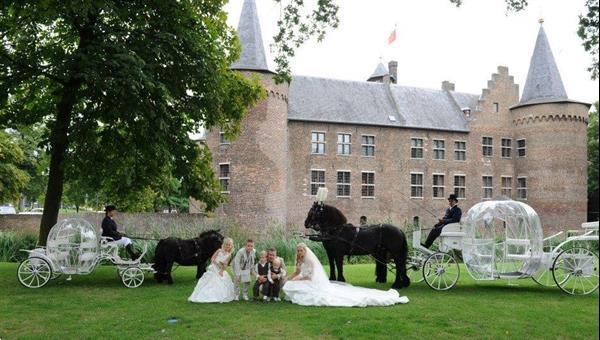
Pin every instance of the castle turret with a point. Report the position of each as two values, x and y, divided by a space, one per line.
550 144
253 168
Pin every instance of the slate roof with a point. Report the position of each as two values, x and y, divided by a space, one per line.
371 103
543 83
252 56
380 71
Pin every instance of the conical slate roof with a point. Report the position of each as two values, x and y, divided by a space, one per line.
543 79
253 55
379 72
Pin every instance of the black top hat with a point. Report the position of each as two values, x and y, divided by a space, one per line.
110 208
453 197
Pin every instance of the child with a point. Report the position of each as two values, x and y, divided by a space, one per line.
243 266
261 269
275 283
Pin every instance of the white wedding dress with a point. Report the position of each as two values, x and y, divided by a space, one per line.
212 287
315 289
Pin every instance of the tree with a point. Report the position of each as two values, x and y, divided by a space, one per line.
593 161
120 84
31 140
12 178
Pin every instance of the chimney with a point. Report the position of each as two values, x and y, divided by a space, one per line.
393 70
447 86
386 79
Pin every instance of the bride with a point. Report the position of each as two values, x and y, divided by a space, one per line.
216 285
309 286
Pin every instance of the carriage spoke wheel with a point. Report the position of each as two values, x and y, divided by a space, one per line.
414 265
575 271
441 271
544 277
34 272
132 277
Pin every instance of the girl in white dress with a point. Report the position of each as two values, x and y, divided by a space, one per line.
216 284
309 286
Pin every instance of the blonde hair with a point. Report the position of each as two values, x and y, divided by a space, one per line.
303 246
277 262
262 253
228 240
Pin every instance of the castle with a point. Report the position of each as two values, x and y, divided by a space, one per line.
395 153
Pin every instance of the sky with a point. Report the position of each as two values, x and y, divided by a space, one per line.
437 41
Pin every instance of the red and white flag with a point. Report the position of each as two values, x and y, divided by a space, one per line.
392 37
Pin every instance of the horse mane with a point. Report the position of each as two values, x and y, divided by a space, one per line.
335 216
208 232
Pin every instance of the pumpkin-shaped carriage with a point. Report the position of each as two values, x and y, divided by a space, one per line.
73 247
504 240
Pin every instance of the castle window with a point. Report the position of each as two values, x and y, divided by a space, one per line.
521 151
416 185
488 187
496 107
439 149
224 177
460 151
317 180
318 143
416 148
506 186
222 139
487 146
343 184
368 185
460 186
368 146
438 186
506 148
344 143
522 188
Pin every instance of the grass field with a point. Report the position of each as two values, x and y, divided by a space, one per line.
98 306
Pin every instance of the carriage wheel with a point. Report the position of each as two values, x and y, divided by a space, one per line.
575 271
34 272
441 271
132 277
414 265
544 278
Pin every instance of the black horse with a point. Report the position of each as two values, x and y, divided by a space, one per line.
382 241
192 252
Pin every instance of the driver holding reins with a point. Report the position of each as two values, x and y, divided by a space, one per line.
109 229
453 215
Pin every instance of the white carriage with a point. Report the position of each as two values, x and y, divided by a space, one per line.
504 240
74 248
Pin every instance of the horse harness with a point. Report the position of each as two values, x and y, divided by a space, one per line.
196 247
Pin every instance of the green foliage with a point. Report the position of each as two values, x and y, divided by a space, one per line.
588 32
12 178
120 85
592 139
296 27
11 243
31 139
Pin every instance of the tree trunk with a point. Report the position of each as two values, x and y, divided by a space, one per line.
59 135
59 142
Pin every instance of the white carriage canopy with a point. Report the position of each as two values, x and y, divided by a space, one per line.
503 239
73 246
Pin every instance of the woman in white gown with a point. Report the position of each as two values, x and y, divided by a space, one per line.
216 284
309 286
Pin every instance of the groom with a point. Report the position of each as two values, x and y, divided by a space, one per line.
271 256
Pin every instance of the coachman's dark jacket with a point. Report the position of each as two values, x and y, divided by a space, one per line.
452 215
109 228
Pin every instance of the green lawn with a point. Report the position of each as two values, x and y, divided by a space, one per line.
98 306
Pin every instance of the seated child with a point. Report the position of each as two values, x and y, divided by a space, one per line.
274 280
262 273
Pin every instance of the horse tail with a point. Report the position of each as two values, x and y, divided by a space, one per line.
404 258
159 257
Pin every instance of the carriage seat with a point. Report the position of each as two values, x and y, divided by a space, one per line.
590 225
520 243
453 230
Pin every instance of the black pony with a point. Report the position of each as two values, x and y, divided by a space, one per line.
193 252
382 241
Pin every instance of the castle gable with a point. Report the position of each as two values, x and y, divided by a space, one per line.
368 103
